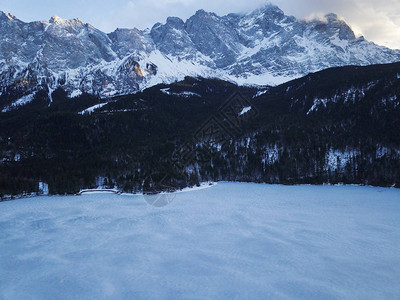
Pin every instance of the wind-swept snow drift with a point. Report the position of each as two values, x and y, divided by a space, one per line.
229 241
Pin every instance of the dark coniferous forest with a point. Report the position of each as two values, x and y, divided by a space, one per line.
340 125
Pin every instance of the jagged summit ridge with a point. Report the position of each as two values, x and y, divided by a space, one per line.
6 15
261 47
59 20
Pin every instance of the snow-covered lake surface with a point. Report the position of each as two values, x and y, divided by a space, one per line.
229 241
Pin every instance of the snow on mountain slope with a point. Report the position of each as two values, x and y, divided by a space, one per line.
264 47
20 102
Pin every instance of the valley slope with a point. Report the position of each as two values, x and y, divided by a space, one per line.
337 125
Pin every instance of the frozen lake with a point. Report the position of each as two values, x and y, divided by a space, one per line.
229 241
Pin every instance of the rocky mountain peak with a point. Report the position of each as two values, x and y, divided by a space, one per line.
271 9
60 21
264 47
332 26
331 17
56 20
7 16
175 22
202 14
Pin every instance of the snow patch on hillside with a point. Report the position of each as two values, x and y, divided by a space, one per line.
20 102
91 109
75 93
337 159
184 94
317 104
271 155
245 110
260 93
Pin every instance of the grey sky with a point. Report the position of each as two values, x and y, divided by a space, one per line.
378 21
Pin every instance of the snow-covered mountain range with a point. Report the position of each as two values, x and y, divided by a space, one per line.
263 47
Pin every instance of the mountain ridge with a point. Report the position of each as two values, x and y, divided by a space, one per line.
263 47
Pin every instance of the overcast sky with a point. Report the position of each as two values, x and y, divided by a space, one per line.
377 20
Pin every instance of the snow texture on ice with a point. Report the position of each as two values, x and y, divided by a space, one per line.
229 241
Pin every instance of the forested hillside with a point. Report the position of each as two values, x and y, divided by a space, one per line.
337 125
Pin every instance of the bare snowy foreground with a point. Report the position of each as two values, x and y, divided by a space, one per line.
228 241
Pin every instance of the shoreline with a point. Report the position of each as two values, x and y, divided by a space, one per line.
203 185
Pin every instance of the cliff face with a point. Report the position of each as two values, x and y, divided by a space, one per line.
261 48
